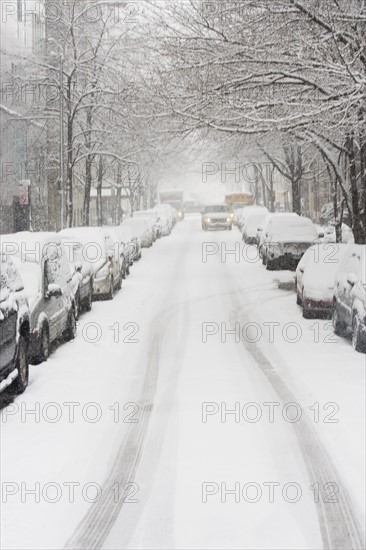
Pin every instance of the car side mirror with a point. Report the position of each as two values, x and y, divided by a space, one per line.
352 279
53 290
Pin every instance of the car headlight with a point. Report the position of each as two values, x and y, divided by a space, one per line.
103 271
228 219
208 219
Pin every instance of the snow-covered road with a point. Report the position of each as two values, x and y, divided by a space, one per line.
184 434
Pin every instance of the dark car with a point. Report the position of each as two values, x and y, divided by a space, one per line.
349 302
216 216
14 329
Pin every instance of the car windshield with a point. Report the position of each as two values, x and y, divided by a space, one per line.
216 208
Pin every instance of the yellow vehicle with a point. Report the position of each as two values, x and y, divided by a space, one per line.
239 200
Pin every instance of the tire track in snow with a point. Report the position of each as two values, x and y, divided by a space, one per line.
339 525
98 521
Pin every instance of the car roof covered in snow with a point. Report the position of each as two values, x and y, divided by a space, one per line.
30 246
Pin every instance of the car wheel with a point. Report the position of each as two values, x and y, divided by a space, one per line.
270 264
358 338
44 345
110 294
306 313
338 325
70 332
22 364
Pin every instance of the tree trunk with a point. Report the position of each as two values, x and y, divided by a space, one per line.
99 193
357 227
69 171
88 171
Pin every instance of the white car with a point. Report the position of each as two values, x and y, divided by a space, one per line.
286 239
43 266
315 276
167 215
142 228
254 217
152 217
349 302
119 246
216 216
131 241
263 229
100 250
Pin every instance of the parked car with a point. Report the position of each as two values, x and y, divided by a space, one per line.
14 329
142 228
152 217
42 263
216 216
265 226
82 277
168 217
286 240
349 302
254 217
101 252
132 245
315 276
119 245
329 233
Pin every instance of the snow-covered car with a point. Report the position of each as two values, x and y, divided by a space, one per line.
329 233
315 276
349 302
164 220
216 216
152 218
142 228
263 229
168 218
237 217
286 240
131 244
255 216
42 263
83 274
99 249
119 245
14 329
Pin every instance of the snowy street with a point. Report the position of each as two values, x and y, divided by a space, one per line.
198 409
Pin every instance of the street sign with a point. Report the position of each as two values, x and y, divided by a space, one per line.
23 192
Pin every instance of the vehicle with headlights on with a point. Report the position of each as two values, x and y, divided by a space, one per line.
216 216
